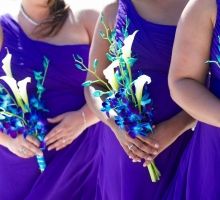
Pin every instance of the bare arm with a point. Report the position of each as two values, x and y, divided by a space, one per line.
71 124
89 19
99 48
98 51
188 69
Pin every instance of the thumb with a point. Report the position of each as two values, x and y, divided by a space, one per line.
56 119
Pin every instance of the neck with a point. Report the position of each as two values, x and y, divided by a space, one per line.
38 11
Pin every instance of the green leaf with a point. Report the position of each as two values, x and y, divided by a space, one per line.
145 100
40 88
127 22
102 34
38 76
87 84
98 93
110 93
46 62
218 58
79 57
95 64
74 58
121 60
113 35
131 61
78 66
119 44
2 90
110 57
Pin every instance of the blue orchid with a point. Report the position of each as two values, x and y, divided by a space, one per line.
127 98
18 113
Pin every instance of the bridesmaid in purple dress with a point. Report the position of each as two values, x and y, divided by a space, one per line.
197 41
50 28
120 178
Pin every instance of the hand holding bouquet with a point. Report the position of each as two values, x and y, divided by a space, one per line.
20 114
127 98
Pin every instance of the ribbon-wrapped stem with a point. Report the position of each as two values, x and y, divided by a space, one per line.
41 163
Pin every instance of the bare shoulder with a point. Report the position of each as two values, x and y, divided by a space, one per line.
85 19
201 8
110 12
202 5
87 16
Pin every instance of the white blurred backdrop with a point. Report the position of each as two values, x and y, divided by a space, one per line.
10 5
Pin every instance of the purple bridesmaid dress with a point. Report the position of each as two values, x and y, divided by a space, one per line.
120 178
71 173
198 174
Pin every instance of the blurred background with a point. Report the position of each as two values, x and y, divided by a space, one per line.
9 5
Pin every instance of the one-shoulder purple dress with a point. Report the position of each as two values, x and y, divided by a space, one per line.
71 173
120 178
198 174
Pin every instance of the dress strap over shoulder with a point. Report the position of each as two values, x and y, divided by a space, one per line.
217 24
125 12
9 25
12 35
126 9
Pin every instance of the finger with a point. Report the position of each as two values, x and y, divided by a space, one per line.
33 148
147 162
67 143
33 140
133 157
57 144
22 155
56 119
53 133
147 149
69 140
63 146
136 151
153 143
142 146
25 153
128 152
54 139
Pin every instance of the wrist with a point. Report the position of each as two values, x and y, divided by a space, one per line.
83 117
87 116
181 123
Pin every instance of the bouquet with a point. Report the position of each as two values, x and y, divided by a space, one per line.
128 98
18 113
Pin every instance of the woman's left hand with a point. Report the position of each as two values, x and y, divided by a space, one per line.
165 134
71 125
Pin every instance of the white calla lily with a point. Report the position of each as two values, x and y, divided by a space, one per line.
7 64
109 74
23 89
12 83
139 85
126 49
